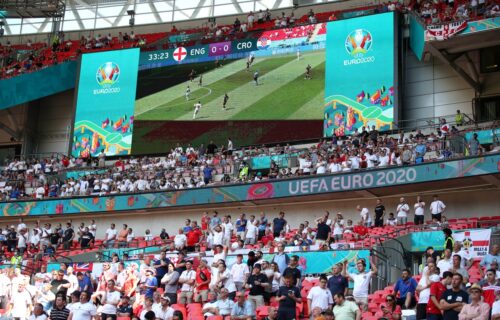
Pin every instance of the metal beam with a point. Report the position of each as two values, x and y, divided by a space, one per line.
237 6
122 13
492 180
459 71
154 11
9 130
200 4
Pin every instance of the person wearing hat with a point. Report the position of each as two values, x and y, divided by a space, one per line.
150 283
454 299
257 282
164 311
476 309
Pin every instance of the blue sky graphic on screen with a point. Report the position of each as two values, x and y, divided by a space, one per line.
105 104
359 80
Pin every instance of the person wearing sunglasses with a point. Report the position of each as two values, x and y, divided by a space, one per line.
390 310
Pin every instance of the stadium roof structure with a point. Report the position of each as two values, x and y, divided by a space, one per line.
82 15
31 8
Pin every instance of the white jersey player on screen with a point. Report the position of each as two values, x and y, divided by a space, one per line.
188 93
298 54
197 107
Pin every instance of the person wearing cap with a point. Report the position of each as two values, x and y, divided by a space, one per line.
203 278
345 309
150 283
476 309
164 311
453 300
242 309
187 281
257 282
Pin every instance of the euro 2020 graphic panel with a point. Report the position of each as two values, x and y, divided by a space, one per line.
104 116
361 75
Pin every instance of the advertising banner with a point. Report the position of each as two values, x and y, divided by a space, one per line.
417 37
485 136
360 83
105 103
269 189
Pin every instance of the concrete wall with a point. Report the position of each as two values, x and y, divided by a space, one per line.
55 117
459 204
433 89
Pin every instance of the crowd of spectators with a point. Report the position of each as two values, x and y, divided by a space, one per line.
182 281
436 12
188 167
431 12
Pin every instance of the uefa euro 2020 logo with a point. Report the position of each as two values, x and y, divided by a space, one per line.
358 43
107 74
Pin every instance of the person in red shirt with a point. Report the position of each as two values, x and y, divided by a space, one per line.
119 164
65 162
203 278
193 237
360 230
205 221
390 309
433 309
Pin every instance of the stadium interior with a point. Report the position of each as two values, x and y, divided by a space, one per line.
249 159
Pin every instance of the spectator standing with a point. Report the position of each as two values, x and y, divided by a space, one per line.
419 211
241 225
366 218
187 281
288 296
402 211
345 310
438 287
361 280
379 213
110 299
257 283
20 303
337 282
281 258
239 272
203 278
437 208
111 234
279 224
170 280
83 310
320 296
323 231
454 299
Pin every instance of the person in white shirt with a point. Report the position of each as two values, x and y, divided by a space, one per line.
361 280
40 192
83 310
354 160
239 272
187 280
437 208
73 280
419 211
20 303
446 263
383 159
365 216
164 311
252 230
218 237
423 289
211 305
180 240
38 313
305 165
111 234
320 296
228 228
93 227
110 299
402 211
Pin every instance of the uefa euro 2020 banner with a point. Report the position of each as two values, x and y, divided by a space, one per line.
360 82
104 116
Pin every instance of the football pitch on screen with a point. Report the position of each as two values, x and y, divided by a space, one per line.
282 92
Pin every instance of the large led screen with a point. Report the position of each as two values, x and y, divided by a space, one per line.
104 116
361 74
